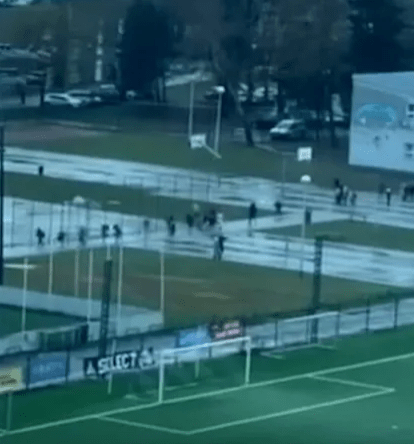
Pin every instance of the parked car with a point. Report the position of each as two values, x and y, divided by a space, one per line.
108 93
266 119
139 95
289 129
62 99
87 95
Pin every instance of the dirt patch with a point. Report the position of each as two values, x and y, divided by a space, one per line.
37 133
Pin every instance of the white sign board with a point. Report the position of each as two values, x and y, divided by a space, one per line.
382 121
304 153
198 141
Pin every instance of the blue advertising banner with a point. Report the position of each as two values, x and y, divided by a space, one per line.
194 336
47 368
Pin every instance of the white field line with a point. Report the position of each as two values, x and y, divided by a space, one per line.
213 393
143 426
295 411
351 383
272 355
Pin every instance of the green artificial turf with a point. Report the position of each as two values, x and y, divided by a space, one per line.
196 290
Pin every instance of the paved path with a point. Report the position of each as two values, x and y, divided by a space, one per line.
347 261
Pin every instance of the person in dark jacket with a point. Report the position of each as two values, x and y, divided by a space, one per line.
252 214
388 196
190 222
40 234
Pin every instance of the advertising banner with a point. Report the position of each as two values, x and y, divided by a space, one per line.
226 330
382 121
47 368
11 379
119 362
194 336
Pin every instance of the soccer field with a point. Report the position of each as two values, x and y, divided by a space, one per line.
359 233
11 320
359 392
195 289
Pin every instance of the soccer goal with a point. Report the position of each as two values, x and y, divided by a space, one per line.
211 367
319 330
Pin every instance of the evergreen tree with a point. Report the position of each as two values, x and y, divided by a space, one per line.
147 41
376 26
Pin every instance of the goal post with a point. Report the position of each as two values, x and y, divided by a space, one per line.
205 367
318 330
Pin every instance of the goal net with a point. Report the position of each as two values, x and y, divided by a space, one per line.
204 369
318 330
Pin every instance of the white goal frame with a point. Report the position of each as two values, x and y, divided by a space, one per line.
172 354
304 338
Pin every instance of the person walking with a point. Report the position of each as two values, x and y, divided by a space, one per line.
190 223
40 234
353 198
171 226
218 247
345 195
82 236
388 196
252 214
117 232
278 208
338 196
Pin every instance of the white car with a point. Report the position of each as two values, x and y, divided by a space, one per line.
83 94
61 99
289 129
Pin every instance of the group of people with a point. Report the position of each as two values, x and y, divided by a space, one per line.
343 194
82 234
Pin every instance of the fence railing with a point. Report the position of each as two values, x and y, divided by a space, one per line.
276 333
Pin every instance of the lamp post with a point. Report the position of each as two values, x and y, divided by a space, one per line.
305 179
317 275
285 155
220 90
191 112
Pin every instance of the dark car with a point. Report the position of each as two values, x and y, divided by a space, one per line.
108 93
266 119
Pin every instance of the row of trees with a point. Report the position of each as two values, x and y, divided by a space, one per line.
309 46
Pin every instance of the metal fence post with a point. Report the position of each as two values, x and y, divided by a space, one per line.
276 332
28 371
32 224
367 316
338 323
396 308
69 219
50 224
13 219
67 368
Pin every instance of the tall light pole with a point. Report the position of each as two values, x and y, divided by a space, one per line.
191 113
220 90
305 180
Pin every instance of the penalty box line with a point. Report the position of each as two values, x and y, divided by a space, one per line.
327 371
289 412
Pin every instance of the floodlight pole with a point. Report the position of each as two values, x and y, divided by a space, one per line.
304 180
191 113
218 121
